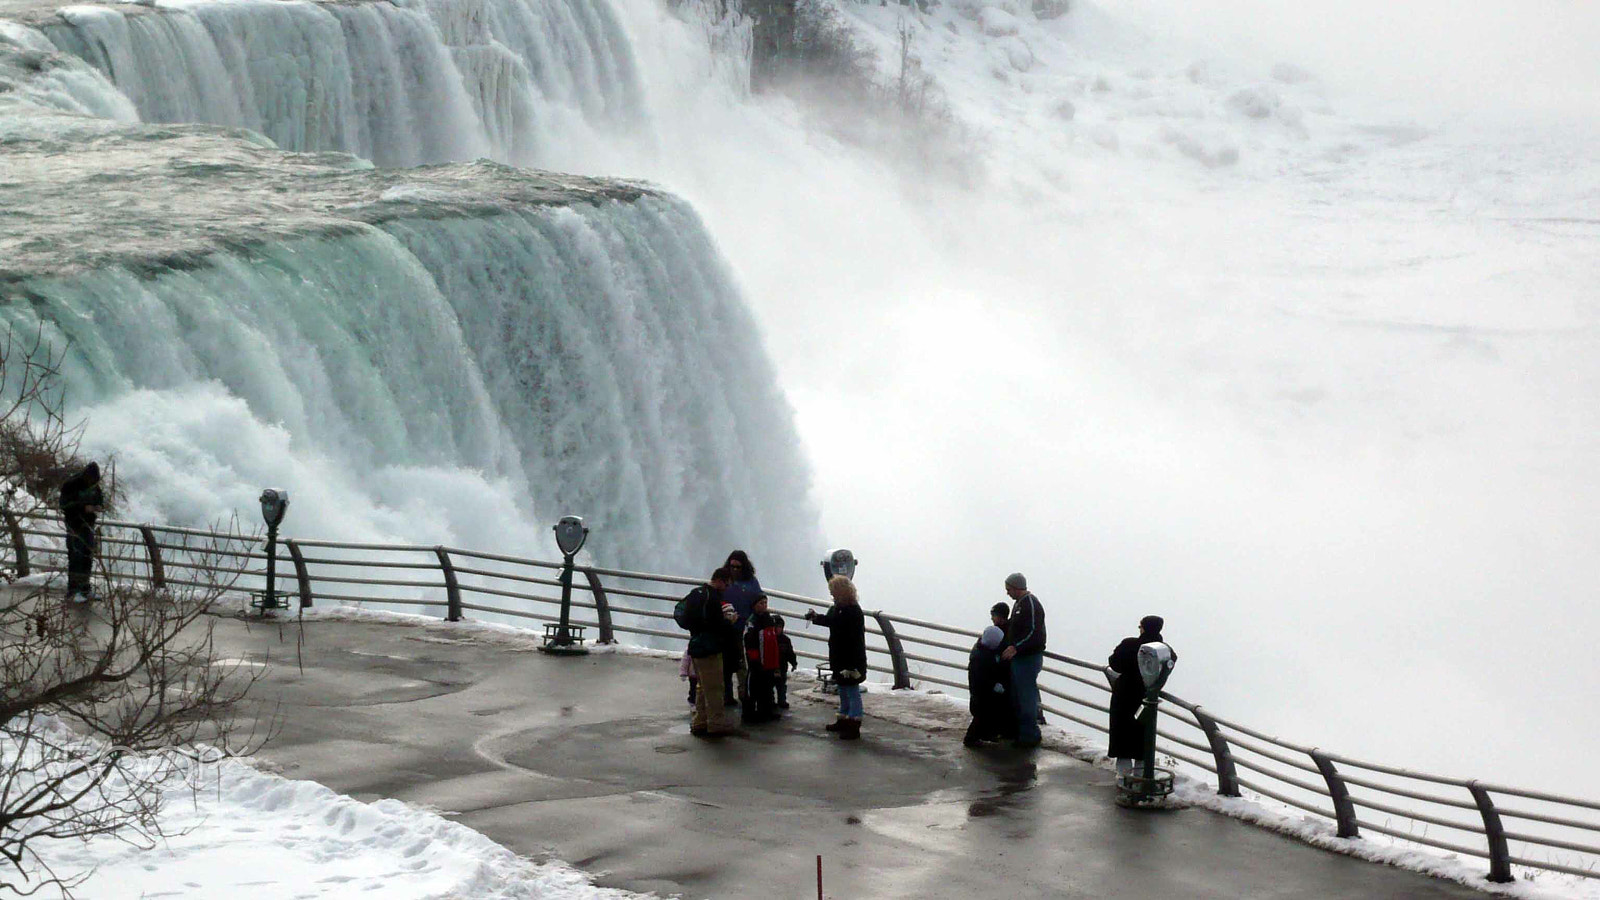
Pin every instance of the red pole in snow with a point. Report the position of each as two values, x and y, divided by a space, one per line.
819 876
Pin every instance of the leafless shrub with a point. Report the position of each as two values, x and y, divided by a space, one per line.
102 704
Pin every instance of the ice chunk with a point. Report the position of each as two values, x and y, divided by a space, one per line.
1019 54
996 22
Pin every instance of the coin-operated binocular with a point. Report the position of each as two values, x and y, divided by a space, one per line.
274 506
564 638
839 562
1147 784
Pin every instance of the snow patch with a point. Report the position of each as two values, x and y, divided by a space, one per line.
235 831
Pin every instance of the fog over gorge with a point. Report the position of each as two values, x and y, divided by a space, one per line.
1278 321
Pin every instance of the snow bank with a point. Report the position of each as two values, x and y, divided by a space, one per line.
237 832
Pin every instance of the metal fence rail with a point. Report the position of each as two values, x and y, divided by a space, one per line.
1457 815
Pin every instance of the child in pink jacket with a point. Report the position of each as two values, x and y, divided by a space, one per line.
686 671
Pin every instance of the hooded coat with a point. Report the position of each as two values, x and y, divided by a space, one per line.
988 683
78 494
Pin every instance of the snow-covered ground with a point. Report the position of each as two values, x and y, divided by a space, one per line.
248 833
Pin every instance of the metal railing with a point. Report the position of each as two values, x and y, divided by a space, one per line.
1457 815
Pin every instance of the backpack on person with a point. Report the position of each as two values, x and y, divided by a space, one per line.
687 612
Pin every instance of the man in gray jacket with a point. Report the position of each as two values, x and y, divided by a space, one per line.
1024 649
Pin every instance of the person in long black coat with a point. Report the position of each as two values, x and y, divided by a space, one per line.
847 653
81 501
1127 691
988 682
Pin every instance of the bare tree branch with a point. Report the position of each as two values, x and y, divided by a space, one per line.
105 706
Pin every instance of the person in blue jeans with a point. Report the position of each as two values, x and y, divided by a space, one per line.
847 653
1024 649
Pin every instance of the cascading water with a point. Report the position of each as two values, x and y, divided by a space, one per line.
422 82
452 353
369 79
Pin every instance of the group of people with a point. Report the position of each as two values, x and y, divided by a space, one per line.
735 639
1003 678
1003 670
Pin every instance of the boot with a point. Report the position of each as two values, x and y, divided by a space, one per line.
837 724
851 730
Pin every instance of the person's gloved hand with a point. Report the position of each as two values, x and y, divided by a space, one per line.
729 613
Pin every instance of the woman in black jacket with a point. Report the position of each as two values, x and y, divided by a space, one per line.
1127 738
847 653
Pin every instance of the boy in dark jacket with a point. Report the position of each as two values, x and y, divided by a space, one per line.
787 662
765 660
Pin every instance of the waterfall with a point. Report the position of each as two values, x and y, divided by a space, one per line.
591 356
424 81
38 83
370 79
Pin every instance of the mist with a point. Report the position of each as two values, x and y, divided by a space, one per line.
1318 385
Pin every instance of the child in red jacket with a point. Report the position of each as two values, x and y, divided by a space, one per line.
765 653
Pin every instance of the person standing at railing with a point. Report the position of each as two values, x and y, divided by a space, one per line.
1127 692
847 653
989 689
81 501
710 622
743 589
1024 650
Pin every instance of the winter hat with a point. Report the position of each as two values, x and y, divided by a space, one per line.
1017 580
992 636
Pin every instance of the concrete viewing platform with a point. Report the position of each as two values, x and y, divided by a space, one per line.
589 760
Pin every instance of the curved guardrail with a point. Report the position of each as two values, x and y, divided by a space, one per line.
1461 816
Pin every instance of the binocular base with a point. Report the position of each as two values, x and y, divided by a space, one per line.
1134 790
559 641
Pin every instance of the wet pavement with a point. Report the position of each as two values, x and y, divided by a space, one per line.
589 760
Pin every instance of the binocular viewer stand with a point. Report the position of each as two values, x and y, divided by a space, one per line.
1144 786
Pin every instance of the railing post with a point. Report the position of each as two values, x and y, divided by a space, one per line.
602 607
18 544
452 588
1343 809
152 555
897 653
1227 776
300 574
1499 853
